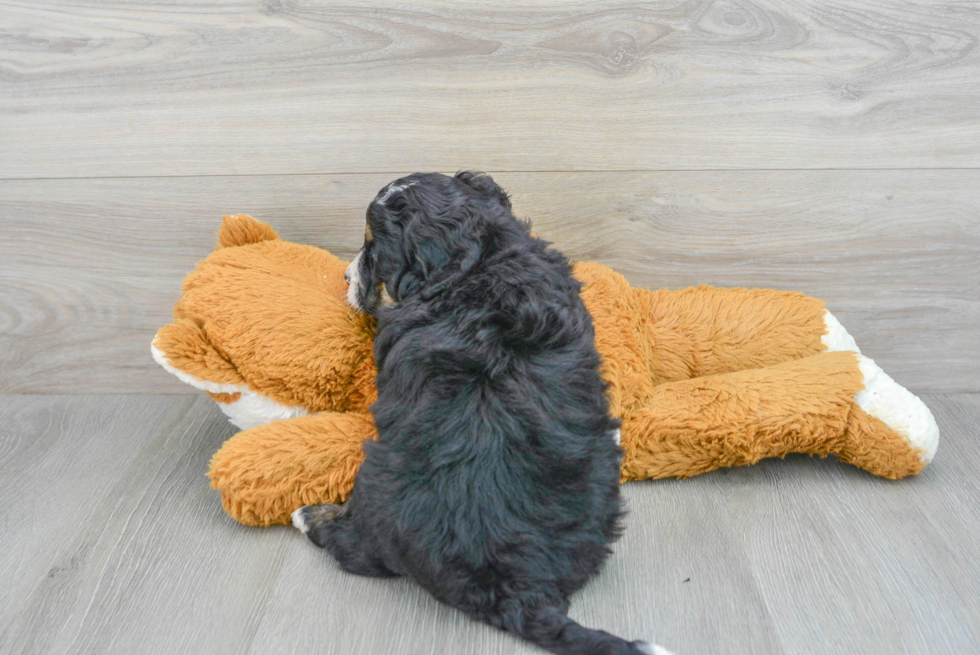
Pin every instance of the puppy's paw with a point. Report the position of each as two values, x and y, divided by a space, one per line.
299 520
311 520
651 649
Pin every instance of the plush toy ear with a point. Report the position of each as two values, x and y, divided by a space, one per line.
241 230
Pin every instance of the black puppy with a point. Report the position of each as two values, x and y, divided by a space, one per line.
495 479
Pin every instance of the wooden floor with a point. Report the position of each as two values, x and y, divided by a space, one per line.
113 543
825 146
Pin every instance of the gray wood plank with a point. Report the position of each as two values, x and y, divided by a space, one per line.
849 563
90 268
69 330
113 542
678 577
121 546
59 458
91 88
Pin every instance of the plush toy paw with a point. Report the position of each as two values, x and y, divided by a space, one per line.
835 337
266 472
886 400
898 408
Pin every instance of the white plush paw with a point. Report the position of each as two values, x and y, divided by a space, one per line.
836 337
898 408
652 649
885 399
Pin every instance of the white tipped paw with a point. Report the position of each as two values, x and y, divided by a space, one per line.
898 408
652 649
299 520
837 338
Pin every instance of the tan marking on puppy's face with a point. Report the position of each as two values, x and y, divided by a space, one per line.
386 298
367 232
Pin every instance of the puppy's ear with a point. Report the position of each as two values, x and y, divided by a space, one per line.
468 255
437 253
484 185
424 260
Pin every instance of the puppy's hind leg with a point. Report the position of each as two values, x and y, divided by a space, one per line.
332 527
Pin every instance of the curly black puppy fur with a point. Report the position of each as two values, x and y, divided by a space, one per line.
495 479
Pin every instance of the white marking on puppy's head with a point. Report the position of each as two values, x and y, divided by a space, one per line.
391 190
353 277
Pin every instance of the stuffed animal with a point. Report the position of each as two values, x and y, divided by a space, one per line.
701 378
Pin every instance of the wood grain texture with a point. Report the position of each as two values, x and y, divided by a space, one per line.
172 113
113 542
89 269
91 88
894 565
113 547
654 587
56 467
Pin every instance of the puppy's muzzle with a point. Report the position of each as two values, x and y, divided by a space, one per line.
353 279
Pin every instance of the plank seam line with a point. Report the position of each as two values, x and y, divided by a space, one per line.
490 170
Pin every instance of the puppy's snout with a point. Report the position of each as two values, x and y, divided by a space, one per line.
349 271
352 279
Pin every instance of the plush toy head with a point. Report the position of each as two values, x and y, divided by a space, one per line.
306 351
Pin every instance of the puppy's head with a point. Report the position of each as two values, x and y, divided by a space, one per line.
423 233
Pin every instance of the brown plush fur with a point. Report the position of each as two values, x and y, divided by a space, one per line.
273 315
702 378
267 472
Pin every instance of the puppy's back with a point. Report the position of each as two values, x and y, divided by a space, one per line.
495 479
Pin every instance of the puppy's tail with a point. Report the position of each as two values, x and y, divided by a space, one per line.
551 629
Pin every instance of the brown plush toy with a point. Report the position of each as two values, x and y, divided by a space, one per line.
701 378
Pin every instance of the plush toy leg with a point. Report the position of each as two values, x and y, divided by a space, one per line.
266 472
808 405
706 331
